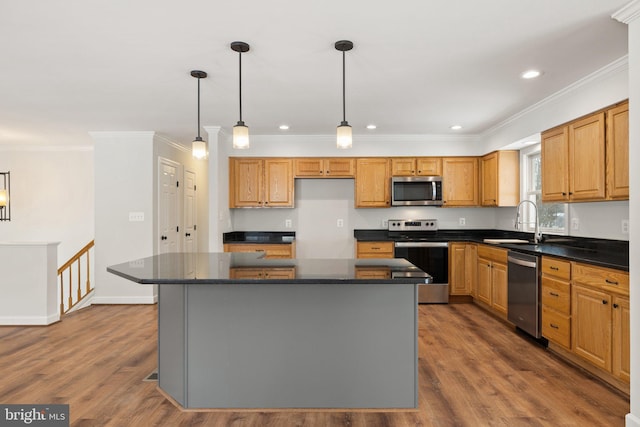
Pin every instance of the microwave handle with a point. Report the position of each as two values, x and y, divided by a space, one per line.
433 190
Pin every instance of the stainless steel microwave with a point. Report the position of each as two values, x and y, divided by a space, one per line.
416 191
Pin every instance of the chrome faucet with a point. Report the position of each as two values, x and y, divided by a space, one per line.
537 236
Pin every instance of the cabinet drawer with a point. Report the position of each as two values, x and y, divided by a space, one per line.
602 278
375 249
373 273
556 267
556 294
493 254
270 250
556 327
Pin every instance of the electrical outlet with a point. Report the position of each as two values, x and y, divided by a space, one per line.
462 221
136 216
340 223
385 223
575 223
287 223
625 226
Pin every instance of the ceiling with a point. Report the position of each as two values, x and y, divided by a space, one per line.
418 66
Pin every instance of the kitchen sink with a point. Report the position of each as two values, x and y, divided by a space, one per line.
510 241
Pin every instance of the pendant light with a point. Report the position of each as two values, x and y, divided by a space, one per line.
240 131
198 146
344 135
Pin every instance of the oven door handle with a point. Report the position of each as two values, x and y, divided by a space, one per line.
421 244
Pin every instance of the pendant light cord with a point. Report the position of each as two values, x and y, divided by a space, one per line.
240 82
344 105
198 108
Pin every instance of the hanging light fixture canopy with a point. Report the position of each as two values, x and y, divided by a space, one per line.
344 134
5 201
198 146
240 130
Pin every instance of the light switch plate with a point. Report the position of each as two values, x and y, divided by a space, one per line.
625 226
287 223
136 216
575 224
462 221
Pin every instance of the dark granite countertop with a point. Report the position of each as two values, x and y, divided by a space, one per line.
215 268
600 252
259 237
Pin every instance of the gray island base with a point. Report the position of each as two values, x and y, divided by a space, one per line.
324 339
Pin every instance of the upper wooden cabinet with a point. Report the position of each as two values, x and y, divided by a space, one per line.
416 166
587 159
318 167
500 175
256 182
372 183
460 181
618 152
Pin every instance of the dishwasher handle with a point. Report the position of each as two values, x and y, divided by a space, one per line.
530 264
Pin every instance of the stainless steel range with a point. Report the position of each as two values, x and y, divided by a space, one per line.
416 240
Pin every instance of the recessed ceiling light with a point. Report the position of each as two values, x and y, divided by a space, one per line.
531 74
456 127
371 126
284 127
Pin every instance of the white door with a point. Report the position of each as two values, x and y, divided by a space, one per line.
189 188
169 223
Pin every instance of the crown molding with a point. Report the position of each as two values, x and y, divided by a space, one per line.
617 66
171 143
147 135
628 13
426 138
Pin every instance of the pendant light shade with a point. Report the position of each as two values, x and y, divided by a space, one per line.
344 135
198 146
240 130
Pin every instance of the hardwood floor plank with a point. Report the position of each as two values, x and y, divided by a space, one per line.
473 371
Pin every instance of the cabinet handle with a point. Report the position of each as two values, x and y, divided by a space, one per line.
553 294
604 301
611 282
564 194
419 171
570 193
327 172
188 234
554 326
615 306
375 249
554 268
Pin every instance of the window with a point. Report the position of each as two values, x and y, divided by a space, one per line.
553 216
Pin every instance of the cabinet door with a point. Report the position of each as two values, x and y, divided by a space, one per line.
278 183
339 168
489 184
471 268
457 273
618 152
245 273
586 158
403 166
621 353
429 166
499 287
372 183
246 182
484 281
309 167
555 162
591 325
460 181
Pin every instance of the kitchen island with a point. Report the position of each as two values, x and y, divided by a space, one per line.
235 332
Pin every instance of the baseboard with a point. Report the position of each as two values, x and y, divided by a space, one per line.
124 300
632 421
29 320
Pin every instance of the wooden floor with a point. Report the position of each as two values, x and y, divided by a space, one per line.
473 371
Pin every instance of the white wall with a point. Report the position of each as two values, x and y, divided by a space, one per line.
631 15
52 196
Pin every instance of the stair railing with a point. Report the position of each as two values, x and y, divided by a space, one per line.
73 298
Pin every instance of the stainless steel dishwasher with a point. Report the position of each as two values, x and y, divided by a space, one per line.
523 295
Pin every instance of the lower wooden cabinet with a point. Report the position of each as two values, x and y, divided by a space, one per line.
556 301
375 249
373 273
262 273
272 250
492 278
462 268
600 318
